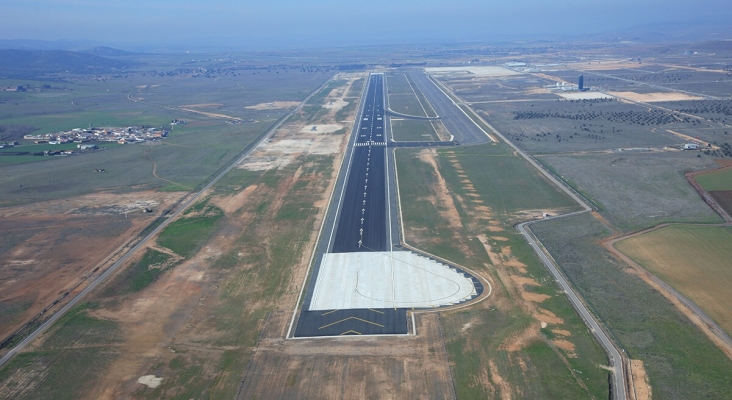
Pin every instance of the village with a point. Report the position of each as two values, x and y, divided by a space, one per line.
132 134
86 139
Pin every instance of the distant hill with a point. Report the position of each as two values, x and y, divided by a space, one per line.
29 63
32 44
105 51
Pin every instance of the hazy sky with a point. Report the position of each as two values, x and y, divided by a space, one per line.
329 22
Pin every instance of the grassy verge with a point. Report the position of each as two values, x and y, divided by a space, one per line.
506 182
253 277
477 337
187 234
65 367
142 273
596 204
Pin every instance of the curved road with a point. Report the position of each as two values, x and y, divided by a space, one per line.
614 355
616 359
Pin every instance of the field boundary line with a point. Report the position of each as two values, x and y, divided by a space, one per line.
687 307
691 177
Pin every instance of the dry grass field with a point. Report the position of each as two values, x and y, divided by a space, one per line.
696 260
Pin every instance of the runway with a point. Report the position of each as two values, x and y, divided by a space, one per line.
460 126
360 284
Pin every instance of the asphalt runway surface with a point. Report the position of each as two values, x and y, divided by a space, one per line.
362 224
460 126
367 321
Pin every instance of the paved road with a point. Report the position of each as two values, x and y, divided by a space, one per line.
407 116
453 117
144 241
363 219
614 355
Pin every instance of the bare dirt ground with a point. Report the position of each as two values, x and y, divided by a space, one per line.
583 95
350 367
274 105
478 71
173 316
53 245
293 139
655 97
643 390
325 128
336 104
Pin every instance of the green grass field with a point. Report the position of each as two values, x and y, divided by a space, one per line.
402 98
413 130
183 160
506 182
715 180
695 260
141 274
188 233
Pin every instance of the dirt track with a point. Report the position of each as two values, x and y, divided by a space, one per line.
349 368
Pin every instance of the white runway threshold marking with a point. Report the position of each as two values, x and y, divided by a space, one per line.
397 279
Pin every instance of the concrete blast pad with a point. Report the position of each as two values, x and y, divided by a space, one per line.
397 279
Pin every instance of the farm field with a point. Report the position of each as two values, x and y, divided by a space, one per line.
680 360
713 181
719 185
695 260
581 125
637 190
